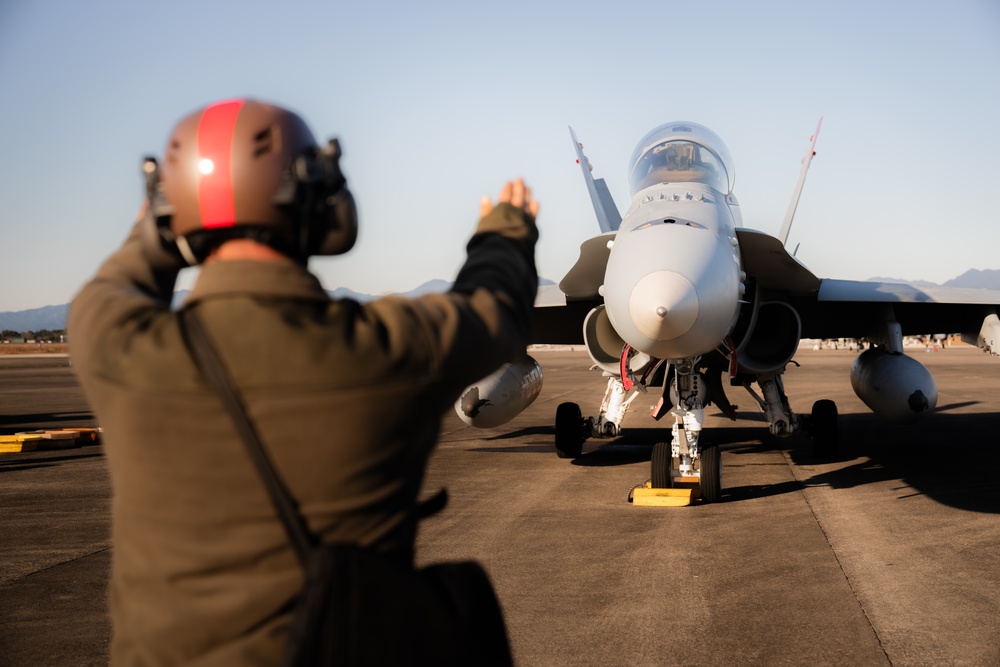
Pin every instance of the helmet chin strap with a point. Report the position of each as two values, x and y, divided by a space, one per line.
186 252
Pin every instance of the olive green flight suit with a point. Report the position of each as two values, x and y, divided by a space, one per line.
347 397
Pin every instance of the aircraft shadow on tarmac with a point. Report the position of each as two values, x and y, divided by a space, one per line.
539 439
949 457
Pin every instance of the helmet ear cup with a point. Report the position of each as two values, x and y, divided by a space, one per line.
340 224
316 190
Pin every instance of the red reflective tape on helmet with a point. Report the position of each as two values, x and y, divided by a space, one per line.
216 201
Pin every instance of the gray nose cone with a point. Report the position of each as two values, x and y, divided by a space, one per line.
664 305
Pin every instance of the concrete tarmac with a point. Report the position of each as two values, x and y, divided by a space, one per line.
889 554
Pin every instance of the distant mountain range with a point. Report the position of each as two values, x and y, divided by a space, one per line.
54 317
972 279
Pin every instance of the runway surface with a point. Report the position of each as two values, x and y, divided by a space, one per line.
889 554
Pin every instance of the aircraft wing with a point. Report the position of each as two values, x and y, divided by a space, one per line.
854 309
832 308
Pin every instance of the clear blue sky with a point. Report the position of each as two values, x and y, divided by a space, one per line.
437 103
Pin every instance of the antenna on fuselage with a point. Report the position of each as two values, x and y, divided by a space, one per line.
786 226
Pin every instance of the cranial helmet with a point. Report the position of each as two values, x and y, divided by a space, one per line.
245 169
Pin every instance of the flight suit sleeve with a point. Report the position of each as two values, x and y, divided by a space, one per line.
484 321
126 295
501 260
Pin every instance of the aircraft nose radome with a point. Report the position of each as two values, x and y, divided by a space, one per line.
664 305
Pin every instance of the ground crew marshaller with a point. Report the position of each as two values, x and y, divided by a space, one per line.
348 397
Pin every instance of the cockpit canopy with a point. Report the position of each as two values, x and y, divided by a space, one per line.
678 153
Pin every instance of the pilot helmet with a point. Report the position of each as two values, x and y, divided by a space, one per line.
246 169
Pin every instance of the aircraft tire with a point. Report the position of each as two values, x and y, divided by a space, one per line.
660 466
569 431
825 429
711 474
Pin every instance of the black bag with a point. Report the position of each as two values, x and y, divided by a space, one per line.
359 607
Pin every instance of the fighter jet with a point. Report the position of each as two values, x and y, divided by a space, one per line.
676 296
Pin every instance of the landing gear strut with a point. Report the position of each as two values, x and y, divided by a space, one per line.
572 429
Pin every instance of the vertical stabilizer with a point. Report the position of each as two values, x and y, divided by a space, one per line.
786 227
608 216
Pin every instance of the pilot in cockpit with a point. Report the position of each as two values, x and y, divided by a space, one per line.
673 156
679 156
672 162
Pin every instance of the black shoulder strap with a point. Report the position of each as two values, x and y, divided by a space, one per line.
206 358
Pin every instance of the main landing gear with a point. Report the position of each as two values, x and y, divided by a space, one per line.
821 425
825 429
685 461
572 429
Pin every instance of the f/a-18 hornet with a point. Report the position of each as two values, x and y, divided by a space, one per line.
677 294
